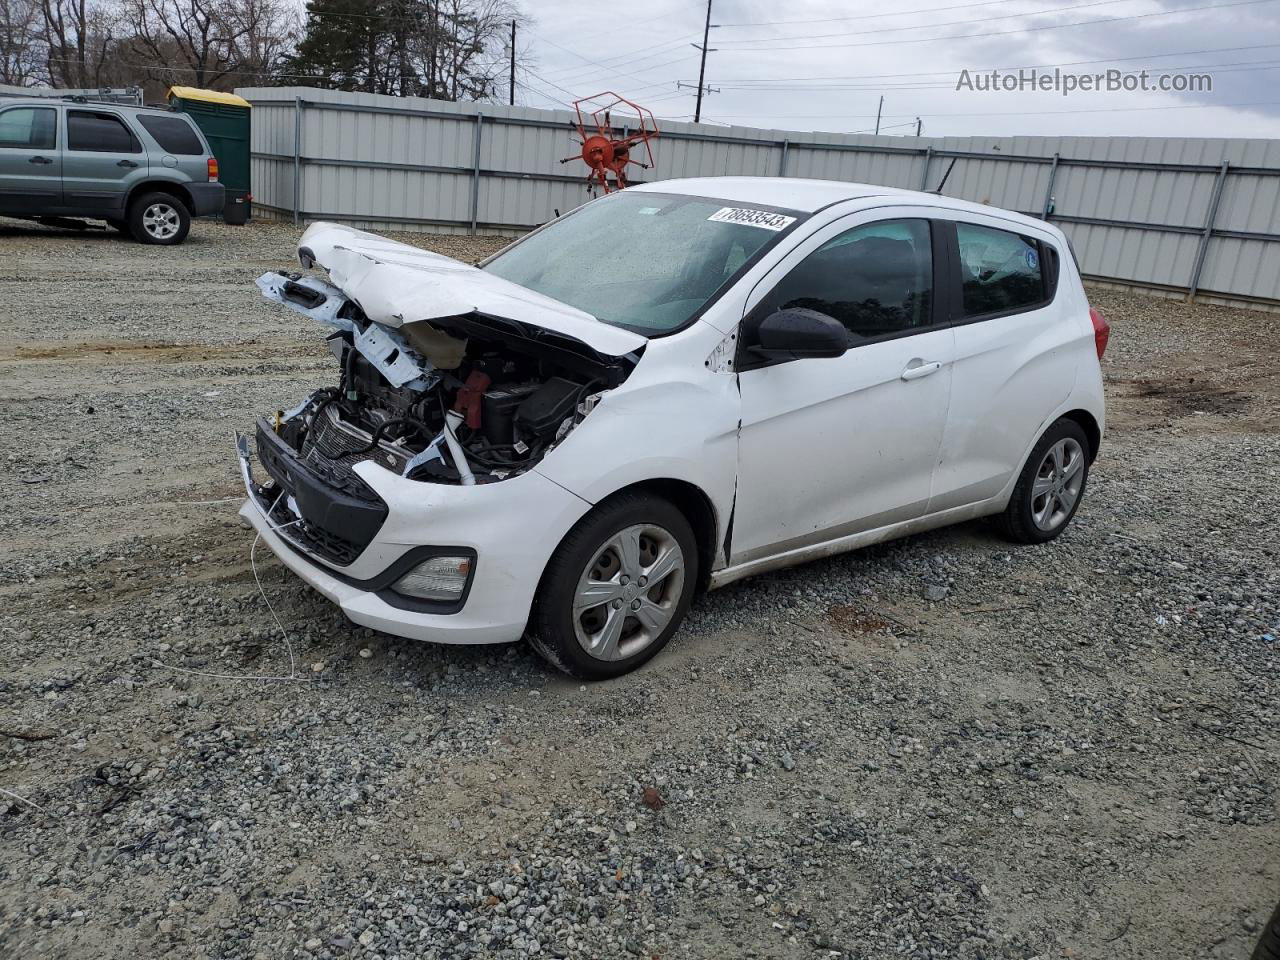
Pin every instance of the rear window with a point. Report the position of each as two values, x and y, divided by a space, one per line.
31 127
174 134
1000 272
99 133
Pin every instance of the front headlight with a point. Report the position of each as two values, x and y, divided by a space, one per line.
440 578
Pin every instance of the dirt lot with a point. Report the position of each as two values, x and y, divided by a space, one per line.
1071 755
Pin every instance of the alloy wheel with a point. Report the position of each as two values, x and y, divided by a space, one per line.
628 593
161 221
1059 480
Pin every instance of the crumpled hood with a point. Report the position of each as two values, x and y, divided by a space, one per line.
396 284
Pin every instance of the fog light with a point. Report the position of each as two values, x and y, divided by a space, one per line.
440 578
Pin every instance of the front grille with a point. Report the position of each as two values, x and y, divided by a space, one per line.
330 453
341 513
312 538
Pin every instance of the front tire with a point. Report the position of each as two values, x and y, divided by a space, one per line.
1050 487
159 218
617 588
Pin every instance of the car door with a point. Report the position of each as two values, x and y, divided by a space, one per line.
102 160
837 446
30 162
1015 363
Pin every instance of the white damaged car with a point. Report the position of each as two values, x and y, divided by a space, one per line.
669 389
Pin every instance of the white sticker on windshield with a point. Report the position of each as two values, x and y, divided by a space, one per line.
763 219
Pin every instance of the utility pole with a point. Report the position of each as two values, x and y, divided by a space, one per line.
702 70
513 63
918 125
878 111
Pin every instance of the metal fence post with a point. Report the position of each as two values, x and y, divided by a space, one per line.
297 159
782 162
1208 231
924 174
1048 192
475 178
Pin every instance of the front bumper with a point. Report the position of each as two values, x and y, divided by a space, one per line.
511 528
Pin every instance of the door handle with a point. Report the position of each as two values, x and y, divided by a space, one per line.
128 164
39 160
919 368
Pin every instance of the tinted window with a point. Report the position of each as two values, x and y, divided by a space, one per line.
173 134
999 271
99 132
28 127
875 279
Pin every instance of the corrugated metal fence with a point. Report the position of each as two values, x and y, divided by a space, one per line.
1174 216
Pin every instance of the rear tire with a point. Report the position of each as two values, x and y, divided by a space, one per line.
1050 487
616 589
1268 947
159 218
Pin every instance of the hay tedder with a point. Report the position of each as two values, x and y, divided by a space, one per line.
608 148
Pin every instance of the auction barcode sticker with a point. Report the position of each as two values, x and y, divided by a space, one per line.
763 219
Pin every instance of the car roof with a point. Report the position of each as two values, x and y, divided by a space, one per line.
87 104
811 195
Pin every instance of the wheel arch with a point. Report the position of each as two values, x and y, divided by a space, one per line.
175 190
1089 424
692 501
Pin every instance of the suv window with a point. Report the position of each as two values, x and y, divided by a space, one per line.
32 127
100 133
1000 272
173 134
876 279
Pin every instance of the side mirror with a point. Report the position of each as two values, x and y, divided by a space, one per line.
799 333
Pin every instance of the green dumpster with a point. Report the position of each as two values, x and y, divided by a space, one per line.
223 118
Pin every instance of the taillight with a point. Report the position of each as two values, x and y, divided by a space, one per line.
1101 331
213 168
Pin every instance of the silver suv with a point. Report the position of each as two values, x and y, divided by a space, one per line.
144 170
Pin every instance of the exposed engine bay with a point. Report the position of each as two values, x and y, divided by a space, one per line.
466 399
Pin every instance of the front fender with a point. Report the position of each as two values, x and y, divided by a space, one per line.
683 430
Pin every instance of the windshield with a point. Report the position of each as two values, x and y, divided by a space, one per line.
645 261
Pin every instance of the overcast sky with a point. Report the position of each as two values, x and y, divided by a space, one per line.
823 64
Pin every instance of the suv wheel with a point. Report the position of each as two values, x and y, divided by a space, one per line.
159 218
1051 485
617 588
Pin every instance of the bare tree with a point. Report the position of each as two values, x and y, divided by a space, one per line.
77 36
210 43
272 29
21 51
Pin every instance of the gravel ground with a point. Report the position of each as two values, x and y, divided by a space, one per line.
1070 754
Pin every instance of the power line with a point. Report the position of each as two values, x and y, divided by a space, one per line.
1030 113
921 26
665 46
742 24
1000 33
1243 66
625 73
1031 66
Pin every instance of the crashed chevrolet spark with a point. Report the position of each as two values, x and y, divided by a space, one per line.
670 389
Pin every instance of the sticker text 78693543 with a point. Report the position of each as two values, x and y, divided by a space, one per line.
747 217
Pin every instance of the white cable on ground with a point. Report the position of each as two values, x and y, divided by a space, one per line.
253 563
33 806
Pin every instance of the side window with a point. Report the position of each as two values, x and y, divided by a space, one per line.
876 279
99 133
173 134
999 271
31 127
